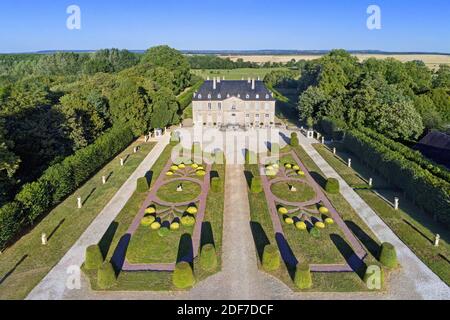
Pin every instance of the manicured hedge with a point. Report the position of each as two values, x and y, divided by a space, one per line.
256 185
388 255
94 258
208 257
183 276
216 184
270 258
302 278
332 186
185 99
294 140
427 190
106 276
332 128
60 180
142 185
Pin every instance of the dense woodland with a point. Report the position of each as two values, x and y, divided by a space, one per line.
53 105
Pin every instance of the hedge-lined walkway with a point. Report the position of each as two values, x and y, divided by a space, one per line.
415 278
287 175
152 198
53 286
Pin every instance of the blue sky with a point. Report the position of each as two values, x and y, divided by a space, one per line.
31 25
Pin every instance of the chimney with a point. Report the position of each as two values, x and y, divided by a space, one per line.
218 79
253 84
214 83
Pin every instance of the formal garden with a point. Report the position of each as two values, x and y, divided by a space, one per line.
305 233
168 236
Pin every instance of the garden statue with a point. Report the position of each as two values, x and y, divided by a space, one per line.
180 188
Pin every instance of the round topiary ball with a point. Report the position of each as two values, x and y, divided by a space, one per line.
106 276
296 168
183 276
283 210
300 225
300 173
388 255
192 210
174 168
200 173
94 257
302 278
181 166
289 220
329 221
174 226
270 258
147 220
324 210
319 225
188 221
194 166
155 225
150 210
288 166
169 173
315 232
208 257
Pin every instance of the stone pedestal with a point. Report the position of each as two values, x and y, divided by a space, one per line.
310 134
103 179
370 182
121 162
334 151
349 163
44 239
396 203
79 204
436 240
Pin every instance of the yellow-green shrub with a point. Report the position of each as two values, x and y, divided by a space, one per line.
208 257
94 258
388 255
174 226
155 225
283 210
302 278
188 221
270 258
183 276
289 220
148 220
106 276
300 225
329 221
319 225
192 210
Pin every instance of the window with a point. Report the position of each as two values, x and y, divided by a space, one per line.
219 105
219 96
267 115
199 96
247 115
209 96
209 106
257 96
267 96
233 107
257 115
247 96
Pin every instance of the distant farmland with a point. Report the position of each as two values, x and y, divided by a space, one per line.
235 74
431 60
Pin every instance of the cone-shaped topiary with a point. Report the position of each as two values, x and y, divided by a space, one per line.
270 258
183 276
332 186
142 185
302 278
216 184
256 185
208 257
106 276
315 232
94 258
294 139
388 255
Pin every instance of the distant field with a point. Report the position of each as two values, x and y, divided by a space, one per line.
235 74
430 60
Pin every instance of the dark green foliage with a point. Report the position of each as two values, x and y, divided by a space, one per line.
142 185
302 278
183 276
10 222
315 232
106 276
216 184
271 258
388 255
185 99
332 128
428 185
208 257
35 199
94 258
294 139
256 185
163 232
332 186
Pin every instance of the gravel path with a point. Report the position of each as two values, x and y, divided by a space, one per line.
53 286
415 280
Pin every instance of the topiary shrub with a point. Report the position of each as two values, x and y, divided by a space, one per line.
162 232
302 278
332 186
174 226
142 185
94 258
150 210
315 232
324 210
329 221
208 257
283 210
169 173
200 173
216 184
301 225
294 140
155 225
319 225
148 220
289 220
388 255
270 258
183 276
187 221
106 276
192 210
256 185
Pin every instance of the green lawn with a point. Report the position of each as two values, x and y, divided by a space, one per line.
236 74
26 262
282 190
414 229
159 250
168 192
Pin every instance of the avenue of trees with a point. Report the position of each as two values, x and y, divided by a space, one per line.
56 106
399 100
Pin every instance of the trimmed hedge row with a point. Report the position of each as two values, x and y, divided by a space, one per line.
185 99
332 128
60 180
332 186
428 191
409 154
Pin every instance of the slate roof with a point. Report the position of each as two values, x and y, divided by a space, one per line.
233 88
436 146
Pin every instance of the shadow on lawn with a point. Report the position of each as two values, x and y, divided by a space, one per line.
248 177
357 265
56 229
260 238
118 257
185 249
287 254
207 236
365 239
10 272
106 240
319 179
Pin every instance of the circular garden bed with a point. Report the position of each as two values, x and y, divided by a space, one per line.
168 192
303 192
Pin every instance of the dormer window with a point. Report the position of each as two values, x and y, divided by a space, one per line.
209 96
257 96
267 96
209 106
228 95
239 96
233 108
247 96
199 96
219 96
